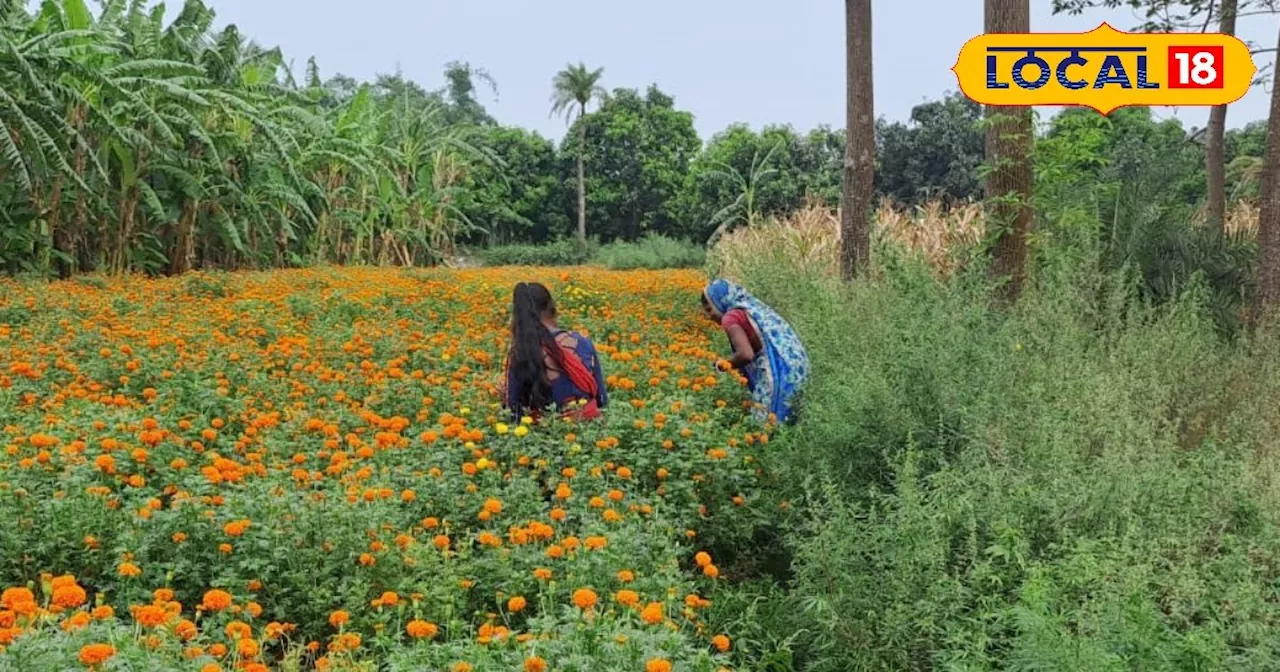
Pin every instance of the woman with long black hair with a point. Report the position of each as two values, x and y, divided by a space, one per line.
547 364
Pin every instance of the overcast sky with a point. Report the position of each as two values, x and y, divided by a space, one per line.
726 61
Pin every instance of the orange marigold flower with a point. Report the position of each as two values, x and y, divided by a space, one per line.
702 558
535 664
339 618
627 598
657 665
69 597
78 620
721 642
585 598
185 630
652 613
216 600
13 597
421 629
128 569
103 613
626 576
516 604
542 573
96 654
150 616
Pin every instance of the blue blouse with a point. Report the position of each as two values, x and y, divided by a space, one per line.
563 391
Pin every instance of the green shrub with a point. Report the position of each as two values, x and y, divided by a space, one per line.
559 253
1080 482
653 252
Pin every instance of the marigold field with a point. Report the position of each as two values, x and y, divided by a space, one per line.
311 468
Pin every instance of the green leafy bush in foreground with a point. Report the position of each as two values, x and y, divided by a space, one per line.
1083 482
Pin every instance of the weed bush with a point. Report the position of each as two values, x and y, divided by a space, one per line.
653 252
1082 482
559 253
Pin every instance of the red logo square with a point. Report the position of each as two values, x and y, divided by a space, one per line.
1195 67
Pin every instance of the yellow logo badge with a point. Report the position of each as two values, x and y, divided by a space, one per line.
1104 69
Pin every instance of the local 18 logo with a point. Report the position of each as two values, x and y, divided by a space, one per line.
1105 69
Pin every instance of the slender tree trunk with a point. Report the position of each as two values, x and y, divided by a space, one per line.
859 150
1269 215
56 232
582 178
1214 161
125 232
1009 137
184 248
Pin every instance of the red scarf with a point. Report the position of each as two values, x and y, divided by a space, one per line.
581 377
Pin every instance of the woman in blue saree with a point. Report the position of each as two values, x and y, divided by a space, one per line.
765 348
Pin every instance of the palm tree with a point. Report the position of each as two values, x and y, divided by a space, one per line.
1009 136
859 153
576 85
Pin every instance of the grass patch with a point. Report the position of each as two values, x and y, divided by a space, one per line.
652 252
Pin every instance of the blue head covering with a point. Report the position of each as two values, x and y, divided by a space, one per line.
782 366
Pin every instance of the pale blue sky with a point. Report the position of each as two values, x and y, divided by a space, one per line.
753 61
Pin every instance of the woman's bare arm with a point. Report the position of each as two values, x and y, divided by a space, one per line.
743 353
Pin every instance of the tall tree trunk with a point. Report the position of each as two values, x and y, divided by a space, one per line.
56 233
184 248
1214 161
1269 215
1009 137
124 233
582 177
860 139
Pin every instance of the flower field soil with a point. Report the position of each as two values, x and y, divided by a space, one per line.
311 468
